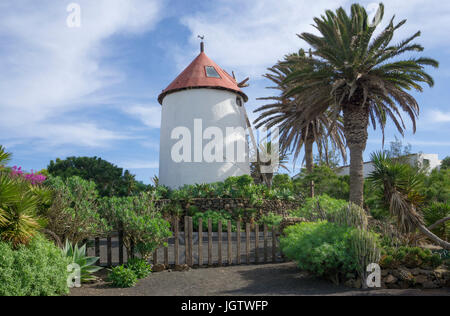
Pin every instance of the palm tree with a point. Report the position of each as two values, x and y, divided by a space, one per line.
397 185
360 75
285 113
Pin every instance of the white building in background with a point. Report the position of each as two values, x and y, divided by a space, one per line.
203 91
430 161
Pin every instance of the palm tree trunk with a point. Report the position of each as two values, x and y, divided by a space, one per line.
309 154
356 120
444 244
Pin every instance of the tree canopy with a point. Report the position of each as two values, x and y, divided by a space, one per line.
109 179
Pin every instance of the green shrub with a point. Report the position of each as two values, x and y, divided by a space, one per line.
410 257
215 217
140 267
38 269
311 211
122 277
436 186
435 212
282 182
271 219
324 207
140 221
75 254
326 181
73 214
326 249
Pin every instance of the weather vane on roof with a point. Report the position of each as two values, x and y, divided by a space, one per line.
202 45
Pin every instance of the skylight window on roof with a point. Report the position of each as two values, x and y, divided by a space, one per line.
211 72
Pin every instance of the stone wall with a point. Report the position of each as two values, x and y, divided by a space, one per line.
404 278
277 206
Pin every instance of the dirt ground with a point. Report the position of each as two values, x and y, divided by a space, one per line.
246 280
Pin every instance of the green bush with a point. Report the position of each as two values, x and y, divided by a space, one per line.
271 219
215 217
436 186
282 182
326 249
140 221
38 269
122 277
410 257
311 211
435 212
326 181
232 187
324 207
73 214
140 267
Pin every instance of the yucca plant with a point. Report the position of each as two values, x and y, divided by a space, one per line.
18 207
397 185
78 256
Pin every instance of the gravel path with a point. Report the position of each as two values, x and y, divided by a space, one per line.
265 279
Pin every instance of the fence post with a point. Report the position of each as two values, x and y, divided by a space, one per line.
247 242
219 232
186 241
166 254
229 247
238 239
177 242
131 254
256 242
265 244
109 251
210 242
155 257
200 242
97 249
191 244
274 245
120 247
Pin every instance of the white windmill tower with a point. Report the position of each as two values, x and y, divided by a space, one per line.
203 93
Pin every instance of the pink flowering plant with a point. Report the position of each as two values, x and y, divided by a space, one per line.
32 177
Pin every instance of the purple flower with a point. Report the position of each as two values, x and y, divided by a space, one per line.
32 177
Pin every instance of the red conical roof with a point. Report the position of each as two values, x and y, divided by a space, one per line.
195 77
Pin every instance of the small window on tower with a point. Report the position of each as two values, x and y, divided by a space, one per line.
211 72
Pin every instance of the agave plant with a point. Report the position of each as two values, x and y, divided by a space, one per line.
78 256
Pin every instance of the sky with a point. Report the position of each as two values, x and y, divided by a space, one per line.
92 90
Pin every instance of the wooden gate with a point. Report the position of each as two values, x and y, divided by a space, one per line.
228 244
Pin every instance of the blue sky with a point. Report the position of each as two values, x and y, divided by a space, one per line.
92 91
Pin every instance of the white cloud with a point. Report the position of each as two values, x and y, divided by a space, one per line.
439 117
150 115
49 69
253 35
82 134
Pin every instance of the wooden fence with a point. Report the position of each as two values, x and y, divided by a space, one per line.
226 246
